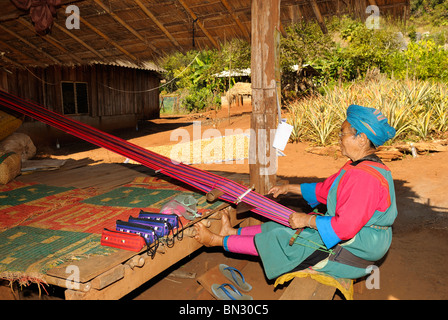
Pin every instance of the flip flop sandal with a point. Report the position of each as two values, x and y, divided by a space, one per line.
235 276
222 293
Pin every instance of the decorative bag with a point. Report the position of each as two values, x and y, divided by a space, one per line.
146 232
172 219
161 228
122 240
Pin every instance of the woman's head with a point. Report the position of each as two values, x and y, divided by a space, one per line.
364 129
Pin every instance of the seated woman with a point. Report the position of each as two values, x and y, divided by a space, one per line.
353 233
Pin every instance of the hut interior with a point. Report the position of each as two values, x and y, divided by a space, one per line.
116 43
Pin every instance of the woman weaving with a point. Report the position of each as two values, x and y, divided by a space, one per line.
356 229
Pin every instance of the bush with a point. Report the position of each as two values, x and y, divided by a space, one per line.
201 99
422 60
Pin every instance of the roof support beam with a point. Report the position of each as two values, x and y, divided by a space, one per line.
70 34
98 32
14 51
195 18
158 23
128 27
10 61
50 40
237 20
30 44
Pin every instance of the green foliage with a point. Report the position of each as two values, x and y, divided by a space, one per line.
201 99
305 43
433 11
422 60
192 74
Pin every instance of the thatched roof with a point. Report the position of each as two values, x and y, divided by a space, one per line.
136 32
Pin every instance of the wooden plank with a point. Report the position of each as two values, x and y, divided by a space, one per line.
91 267
133 278
307 289
109 277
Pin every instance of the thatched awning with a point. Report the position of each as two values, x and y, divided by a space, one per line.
141 30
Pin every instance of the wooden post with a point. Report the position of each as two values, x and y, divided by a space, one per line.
264 63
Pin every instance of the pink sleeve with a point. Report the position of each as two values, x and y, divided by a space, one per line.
322 188
359 196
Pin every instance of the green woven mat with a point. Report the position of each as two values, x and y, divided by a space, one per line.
28 193
29 252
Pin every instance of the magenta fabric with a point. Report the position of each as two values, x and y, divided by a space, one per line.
244 241
250 230
240 244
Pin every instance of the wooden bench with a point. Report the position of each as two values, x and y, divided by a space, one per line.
303 287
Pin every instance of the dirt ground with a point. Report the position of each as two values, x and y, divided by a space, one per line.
414 267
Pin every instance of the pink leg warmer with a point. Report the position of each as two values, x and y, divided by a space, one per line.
250 230
240 244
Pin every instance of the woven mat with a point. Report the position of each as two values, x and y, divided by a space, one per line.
26 253
73 230
21 201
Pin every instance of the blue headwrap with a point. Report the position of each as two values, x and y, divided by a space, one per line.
371 122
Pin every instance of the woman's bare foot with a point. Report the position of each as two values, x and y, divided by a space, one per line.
206 237
226 227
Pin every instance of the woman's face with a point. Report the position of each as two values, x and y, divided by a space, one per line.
348 141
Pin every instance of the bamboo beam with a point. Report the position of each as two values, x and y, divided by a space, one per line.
30 44
10 61
127 26
101 34
158 23
237 20
71 34
7 46
50 40
319 17
195 17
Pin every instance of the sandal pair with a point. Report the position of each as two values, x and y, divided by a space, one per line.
238 284
222 293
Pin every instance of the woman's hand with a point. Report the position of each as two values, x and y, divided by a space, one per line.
301 220
278 190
